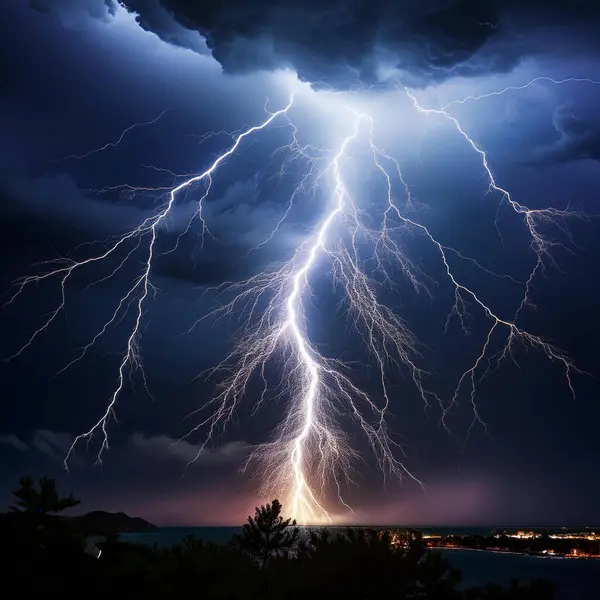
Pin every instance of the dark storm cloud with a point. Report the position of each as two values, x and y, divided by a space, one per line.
341 42
154 17
72 12
57 200
151 16
158 447
579 132
164 447
237 220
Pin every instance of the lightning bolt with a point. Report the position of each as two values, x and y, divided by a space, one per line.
524 86
116 142
141 288
533 220
311 450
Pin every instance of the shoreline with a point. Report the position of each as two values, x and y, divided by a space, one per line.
509 552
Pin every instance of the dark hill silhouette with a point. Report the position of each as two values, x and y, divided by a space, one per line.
100 522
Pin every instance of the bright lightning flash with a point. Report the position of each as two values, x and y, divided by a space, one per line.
311 451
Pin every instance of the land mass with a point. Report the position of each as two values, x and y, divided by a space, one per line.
99 522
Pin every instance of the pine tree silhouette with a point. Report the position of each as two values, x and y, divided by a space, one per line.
42 502
268 534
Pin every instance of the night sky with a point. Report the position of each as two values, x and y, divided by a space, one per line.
74 74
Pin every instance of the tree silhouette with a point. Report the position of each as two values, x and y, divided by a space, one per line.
268 534
268 561
365 563
42 502
41 541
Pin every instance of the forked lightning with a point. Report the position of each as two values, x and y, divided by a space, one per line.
311 451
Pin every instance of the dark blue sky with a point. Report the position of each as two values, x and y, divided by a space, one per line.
75 74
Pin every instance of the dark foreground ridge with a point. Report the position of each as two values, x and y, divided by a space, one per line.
45 553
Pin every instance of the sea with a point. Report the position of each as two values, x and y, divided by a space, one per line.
575 579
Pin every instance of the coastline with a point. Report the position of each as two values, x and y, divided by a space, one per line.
510 553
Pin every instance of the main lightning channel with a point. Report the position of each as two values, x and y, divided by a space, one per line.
302 495
311 451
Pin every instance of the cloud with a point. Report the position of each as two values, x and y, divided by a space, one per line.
72 13
161 447
152 16
57 200
242 218
238 218
238 215
579 136
12 440
52 444
339 42
164 447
